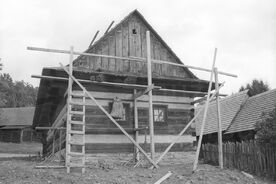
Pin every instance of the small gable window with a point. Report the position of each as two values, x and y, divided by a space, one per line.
134 31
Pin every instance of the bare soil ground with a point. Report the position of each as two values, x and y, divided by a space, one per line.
114 169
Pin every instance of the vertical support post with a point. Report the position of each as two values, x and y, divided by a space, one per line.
136 135
83 120
219 121
68 124
21 136
151 127
60 133
53 146
205 113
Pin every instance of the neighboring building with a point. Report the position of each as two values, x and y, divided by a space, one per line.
172 110
239 114
16 124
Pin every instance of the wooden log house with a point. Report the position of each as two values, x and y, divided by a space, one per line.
172 110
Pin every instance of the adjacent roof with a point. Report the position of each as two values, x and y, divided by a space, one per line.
21 116
251 111
229 108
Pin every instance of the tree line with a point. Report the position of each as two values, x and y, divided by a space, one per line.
16 93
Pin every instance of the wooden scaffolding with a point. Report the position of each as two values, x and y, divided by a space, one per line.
77 127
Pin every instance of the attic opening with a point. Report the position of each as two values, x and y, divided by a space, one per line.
134 31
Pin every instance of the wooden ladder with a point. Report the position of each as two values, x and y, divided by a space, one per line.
75 144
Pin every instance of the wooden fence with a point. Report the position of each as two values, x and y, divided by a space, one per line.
245 156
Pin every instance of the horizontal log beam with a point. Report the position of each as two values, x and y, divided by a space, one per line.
50 128
128 58
64 128
123 85
188 92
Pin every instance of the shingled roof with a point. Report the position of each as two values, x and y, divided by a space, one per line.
251 111
229 108
21 116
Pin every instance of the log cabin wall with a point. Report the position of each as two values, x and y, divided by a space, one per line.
103 136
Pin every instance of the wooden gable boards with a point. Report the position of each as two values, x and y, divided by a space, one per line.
128 39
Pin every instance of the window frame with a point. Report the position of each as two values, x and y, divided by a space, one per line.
163 107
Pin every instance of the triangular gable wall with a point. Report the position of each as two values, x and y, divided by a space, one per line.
128 39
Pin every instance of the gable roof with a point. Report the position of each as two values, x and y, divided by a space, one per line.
140 16
229 108
17 116
252 110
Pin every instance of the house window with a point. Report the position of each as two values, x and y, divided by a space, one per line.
160 113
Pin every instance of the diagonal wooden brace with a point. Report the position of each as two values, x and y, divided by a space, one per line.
110 117
141 93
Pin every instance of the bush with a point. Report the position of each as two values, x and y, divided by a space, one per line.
266 128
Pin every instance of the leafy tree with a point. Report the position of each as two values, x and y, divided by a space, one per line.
255 87
266 128
16 94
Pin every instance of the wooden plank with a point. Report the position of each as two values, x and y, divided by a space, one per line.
137 45
49 167
98 60
158 50
108 28
111 52
105 48
94 38
163 56
119 49
219 120
205 114
132 51
151 126
131 27
68 125
125 47
143 47
127 58
136 125
90 61
124 85
163 178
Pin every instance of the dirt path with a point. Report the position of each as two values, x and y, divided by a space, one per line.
108 169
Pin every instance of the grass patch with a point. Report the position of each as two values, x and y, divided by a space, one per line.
20 148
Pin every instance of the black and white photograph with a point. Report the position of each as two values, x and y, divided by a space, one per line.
137 92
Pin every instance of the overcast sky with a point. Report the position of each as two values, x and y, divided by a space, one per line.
243 31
